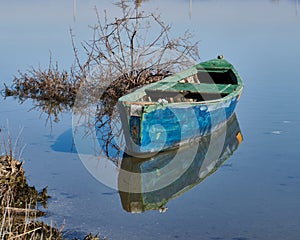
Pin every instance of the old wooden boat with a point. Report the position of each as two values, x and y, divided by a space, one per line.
148 189
180 108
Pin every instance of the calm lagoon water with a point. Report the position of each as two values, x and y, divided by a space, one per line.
255 195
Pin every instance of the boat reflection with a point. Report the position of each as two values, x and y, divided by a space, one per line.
205 162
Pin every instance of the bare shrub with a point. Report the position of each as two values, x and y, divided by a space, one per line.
133 50
125 52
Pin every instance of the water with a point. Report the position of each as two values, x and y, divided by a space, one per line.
254 196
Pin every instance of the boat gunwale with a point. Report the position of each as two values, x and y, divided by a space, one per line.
185 74
234 93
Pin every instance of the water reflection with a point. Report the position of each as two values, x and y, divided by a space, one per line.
149 182
204 164
74 10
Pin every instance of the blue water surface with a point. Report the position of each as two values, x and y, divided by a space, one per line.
255 195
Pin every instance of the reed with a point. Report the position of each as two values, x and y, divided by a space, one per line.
18 200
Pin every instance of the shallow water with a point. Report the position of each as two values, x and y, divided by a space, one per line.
255 195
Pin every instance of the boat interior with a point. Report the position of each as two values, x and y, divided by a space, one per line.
205 85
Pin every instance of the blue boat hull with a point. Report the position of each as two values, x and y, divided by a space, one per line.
180 108
171 126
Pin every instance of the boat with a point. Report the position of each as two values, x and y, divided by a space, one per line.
180 108
147 189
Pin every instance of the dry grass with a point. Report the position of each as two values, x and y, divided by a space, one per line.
53 91
19 202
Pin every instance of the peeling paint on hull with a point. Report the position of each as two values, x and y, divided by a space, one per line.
167 128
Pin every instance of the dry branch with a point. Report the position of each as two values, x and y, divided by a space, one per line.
125 52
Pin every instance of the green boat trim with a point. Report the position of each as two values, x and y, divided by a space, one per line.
209 89
188 82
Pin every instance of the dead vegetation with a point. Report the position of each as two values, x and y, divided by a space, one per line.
52 91
124 52
14 187
18 207
20 203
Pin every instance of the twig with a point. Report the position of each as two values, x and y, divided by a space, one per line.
26 233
